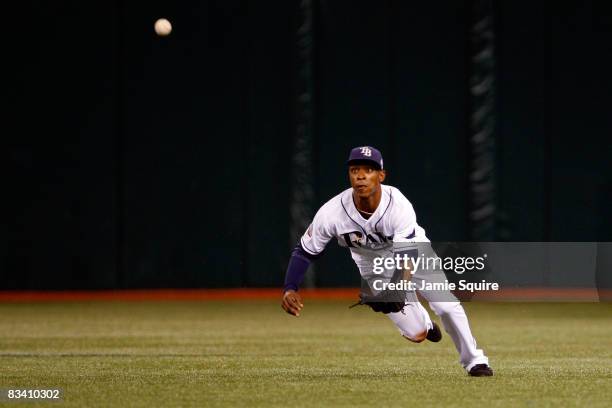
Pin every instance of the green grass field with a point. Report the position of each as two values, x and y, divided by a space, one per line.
251 353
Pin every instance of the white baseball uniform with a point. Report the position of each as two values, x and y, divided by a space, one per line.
393 221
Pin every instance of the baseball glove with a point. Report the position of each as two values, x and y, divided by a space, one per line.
380 307
386 301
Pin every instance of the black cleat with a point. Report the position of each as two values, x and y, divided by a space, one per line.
481 370
434 334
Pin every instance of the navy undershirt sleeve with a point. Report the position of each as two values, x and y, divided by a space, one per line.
298 265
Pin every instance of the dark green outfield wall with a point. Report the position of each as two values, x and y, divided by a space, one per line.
136 161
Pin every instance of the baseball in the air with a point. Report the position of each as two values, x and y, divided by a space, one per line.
163 27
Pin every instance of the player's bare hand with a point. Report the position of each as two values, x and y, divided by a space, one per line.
292 302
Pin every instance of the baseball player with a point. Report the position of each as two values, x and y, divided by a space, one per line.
370 218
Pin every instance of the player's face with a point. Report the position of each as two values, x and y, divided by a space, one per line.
365 179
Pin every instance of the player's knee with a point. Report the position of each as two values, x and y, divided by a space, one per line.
415 333
444 308
417 337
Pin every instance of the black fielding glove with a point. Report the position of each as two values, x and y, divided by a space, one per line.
386 301
386 307
380 307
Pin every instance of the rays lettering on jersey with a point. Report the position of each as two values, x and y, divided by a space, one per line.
357 239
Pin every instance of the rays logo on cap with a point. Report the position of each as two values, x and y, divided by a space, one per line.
368 154
366 151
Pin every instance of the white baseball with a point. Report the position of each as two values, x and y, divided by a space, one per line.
163 27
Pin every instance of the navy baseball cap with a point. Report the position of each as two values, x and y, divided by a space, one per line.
366 154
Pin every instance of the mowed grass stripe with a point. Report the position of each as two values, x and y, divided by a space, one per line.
238 353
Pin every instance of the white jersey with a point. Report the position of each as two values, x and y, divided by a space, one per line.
393 221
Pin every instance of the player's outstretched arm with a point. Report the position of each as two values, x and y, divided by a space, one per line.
298 264
292 302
